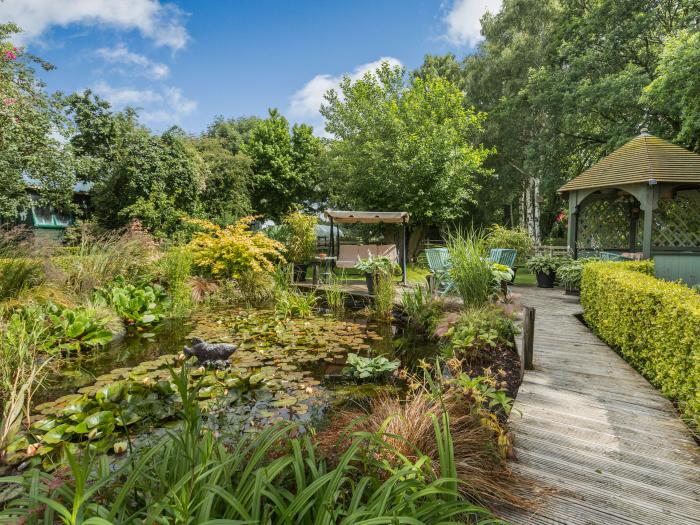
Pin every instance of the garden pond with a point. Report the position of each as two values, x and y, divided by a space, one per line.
283 369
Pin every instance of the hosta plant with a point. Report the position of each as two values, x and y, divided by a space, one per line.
359 367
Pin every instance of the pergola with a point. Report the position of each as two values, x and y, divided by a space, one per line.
642 200
369 217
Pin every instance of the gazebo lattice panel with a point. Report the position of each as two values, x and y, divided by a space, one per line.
677 221
605 224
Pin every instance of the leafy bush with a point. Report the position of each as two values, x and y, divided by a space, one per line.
544 263
569 273
300 245
513 238
655 325
190 476
470 270
233 251
422 310
478 329
138 305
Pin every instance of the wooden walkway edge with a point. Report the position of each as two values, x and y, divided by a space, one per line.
588 426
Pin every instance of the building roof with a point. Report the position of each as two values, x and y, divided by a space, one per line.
643 158
368 217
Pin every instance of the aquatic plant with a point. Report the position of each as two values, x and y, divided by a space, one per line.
189 476
335 294
176 268
138 305
292 303
422 309
384 293
359 367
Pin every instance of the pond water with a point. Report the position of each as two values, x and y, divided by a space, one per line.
283 369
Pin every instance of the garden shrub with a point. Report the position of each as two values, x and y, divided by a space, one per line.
478 329
18 274
301 240
234 250
654 324
513 238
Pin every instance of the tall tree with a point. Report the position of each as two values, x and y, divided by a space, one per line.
234 132
226 195
31 123
284 165
406 145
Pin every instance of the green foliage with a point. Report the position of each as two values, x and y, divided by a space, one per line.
300 245
359 367
335 294
31 129
513 238
544 263
233 251
376 265
284 164
291 303
139 305
478 329
404 145
233 132
654 324
384 293
64 329
569 273
500 273
423 310
229 177
18 274
470 271
176 266
270 477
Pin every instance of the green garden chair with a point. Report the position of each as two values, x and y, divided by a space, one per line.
439 264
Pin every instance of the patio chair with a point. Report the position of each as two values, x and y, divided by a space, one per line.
439 264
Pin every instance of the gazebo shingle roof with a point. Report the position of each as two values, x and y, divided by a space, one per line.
643 158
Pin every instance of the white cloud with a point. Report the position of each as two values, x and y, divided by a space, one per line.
306 103
166 106
161 23
120 54
464 20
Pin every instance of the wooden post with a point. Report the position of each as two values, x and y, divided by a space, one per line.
528 336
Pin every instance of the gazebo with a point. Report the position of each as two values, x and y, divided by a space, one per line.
641 201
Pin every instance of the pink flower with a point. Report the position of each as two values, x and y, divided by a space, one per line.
9 101
11 55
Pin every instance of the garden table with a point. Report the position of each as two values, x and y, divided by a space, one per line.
316 264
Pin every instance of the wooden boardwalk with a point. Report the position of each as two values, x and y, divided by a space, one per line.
596 433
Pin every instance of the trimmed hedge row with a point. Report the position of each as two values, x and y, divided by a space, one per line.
655 324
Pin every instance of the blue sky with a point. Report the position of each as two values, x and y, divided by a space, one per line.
183 62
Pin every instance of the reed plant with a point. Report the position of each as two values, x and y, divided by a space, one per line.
335 295
176 265
384 293
470 271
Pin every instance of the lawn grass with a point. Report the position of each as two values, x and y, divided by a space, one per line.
525 277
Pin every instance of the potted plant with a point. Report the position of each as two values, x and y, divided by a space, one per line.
569 275
301 242
545 268
374 266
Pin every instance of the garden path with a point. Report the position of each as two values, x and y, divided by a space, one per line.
609 445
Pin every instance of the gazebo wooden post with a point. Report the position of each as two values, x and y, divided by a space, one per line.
331 242
650 202
573 223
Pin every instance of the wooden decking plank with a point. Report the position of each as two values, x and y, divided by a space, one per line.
593 428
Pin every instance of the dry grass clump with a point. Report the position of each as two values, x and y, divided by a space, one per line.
407 426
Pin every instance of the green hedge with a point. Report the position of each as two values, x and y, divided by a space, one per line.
655 324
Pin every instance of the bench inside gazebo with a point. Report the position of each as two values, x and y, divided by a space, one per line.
347 255
641 201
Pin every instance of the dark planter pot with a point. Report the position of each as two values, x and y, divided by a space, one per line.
546 280
300 272
369 278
